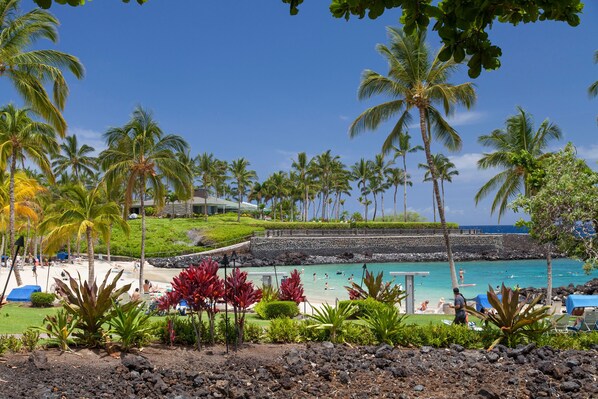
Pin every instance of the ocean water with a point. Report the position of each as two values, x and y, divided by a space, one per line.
497 229
525 273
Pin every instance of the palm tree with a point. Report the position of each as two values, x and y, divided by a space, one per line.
141 154
325 165
205 167
21 137
75 158
88 213
404 147
257 194
242 178
302 166
361 171
29 71
428 177
396 177
415 82
513 147
445 169
516 151
381 167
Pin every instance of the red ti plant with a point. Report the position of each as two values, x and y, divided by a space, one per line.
291 288
165 303
241 294
201 287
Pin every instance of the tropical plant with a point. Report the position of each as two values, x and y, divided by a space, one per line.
205 169
445 169
140 154
415 82
517 320
593 89
283 330
201 288
386 323
332 319
515 150
75 158
362 172
60 328
86 212
403 148
21 137
291 289
29 71
376 289
131 324
30 339
303 168
242 179
42 299
91 305
241 294
397 177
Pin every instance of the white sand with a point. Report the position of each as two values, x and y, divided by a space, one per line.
46 275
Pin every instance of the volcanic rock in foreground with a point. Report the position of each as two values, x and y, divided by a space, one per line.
307 371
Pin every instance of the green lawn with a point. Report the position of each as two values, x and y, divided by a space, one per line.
168 237
16 318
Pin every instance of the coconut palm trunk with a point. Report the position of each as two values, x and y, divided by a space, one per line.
142 255
11 225
108 243
90 260
404 190
433 172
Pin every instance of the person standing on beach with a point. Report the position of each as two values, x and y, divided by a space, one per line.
462 276
314 276
459 306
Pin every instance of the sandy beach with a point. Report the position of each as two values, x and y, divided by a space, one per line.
46 274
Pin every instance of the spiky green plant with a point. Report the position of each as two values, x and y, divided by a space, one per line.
376 289
131 325
60 328
332 319
91 305
518 321
386 323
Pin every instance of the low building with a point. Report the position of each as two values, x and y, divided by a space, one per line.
196 206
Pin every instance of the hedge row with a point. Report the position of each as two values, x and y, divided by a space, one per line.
352 225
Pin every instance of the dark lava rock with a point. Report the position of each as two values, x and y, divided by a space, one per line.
343 377
418 388
486 392
570 386
137 363
492 357
457 348
39 360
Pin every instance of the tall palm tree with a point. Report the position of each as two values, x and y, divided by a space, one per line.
205 167
362 172
516 150
21 137
30 70
242 179
325 165
401 150
302 166
415 82
381 167
445 169
428 177
75 158
87 213
512 147
141 154
397 177
257 193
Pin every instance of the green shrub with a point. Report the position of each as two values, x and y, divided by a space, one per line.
358 334
59 328
253 333
220 334
443 336
283 330
386 324
3 344
14 344
150 211
402 225
304 225
308 332
30 339
364 306
332 319
42 299
184 332
582 341
275 309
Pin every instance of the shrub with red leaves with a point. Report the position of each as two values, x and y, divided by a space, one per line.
201 287
291 288
241 294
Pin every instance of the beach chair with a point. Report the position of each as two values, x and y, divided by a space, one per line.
560 323
590 320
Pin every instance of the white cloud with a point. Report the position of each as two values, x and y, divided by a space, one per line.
343 117
589 153
467 165
90 137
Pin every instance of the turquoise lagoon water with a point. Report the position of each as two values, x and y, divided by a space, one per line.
526 273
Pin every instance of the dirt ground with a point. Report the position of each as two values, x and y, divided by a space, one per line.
318 370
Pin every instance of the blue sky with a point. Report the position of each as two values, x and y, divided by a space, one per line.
245 79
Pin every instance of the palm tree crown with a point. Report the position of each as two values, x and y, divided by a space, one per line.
30 70
141 154
242 179
514 147
415 82
75 158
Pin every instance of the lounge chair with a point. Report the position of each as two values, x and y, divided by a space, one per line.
560 323
588 323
